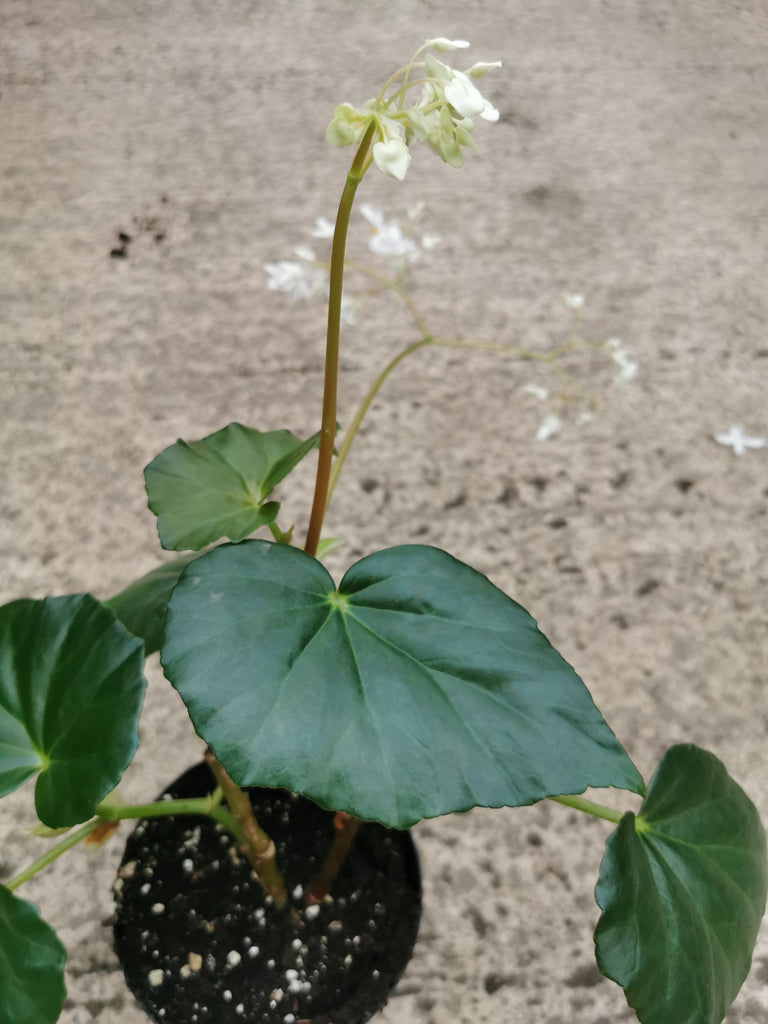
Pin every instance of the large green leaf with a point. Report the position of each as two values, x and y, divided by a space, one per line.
141 606
71 687
217 487
416 689
31 964
682 888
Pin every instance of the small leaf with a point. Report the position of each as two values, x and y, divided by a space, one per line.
71 687
682 888
327 545
416 689
217 487
32 961
141 606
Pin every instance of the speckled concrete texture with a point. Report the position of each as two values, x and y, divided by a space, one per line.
629 164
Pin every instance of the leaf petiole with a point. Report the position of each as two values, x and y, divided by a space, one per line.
208 806
578 803
51 855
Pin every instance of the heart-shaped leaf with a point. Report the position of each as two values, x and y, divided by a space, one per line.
141 606
217 487
682 888
416 689
31 964
71 687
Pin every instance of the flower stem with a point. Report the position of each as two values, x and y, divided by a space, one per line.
578 803
330 386
363 409
550 357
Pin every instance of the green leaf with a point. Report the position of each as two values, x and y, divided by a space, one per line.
32 961
71 687
141 606
217 487
416 689
682 889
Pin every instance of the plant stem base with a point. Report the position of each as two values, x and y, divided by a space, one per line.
200 943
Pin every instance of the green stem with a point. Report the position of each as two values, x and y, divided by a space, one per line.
72 839
115 812
254 843
482 346
330 386
363 409
204 805
578 803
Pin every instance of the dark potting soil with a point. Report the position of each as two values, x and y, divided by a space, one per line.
200 942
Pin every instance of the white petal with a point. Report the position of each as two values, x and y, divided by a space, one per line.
443 44
627 372
430 241
537 391
549 426
464 97
736 438
574 301
373 216
489 112
283 275
323 228
392 158
437 70
482 68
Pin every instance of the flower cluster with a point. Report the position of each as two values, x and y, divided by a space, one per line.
306 276
442 118
627 370
302 278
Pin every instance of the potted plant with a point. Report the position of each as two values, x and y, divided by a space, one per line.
411 688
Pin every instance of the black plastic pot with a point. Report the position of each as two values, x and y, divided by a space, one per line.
200 943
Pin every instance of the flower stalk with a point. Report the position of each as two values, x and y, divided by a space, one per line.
330 383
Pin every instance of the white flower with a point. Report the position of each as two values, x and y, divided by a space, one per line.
442 132
549 426
574 301
442 118
430 241
441 43
736 438
392 157
459 90
538 392
323 228
620 356
627 368
348 125
298 279
482 68
387 238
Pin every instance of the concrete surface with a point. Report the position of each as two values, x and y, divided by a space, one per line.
629 164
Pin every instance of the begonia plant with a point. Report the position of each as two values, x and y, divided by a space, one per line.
411 688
